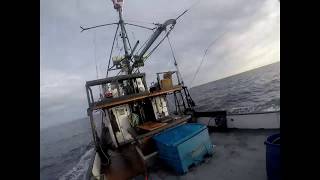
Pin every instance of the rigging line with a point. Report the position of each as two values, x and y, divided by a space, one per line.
205 53
95 58
194 4
146 22
137 70
114 38
175 61
144 27
147 56
95 53
116 77
134 37
144 43
126 36
84 28
120 51
211 45
118 74
117 42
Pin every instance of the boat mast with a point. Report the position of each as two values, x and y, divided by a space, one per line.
127 68
138 59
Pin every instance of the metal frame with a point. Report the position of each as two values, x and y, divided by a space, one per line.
189 104
172 72
104 81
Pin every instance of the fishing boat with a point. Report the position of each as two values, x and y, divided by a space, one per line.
125 113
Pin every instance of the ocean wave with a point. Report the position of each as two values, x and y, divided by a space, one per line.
78 172
272 108
272 105
44 167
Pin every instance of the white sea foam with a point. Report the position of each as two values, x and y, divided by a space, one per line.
272 108
79 171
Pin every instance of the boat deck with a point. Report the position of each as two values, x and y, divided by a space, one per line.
239 154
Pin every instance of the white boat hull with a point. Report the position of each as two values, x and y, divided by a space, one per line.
267 120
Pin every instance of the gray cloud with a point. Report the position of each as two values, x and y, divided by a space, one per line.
68 57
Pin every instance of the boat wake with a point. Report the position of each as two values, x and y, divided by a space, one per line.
78 172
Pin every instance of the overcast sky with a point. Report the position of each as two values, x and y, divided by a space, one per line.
68 58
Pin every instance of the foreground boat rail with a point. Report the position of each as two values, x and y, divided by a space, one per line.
256 120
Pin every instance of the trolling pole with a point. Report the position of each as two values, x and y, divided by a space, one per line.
155 35
161 27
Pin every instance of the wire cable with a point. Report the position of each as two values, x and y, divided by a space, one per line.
114 38
205 53
95 59
175 61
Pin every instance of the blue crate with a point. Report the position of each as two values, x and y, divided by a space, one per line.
183 146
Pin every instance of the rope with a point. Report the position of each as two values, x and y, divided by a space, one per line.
114 38
205 53
175 61
198 69
95 58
